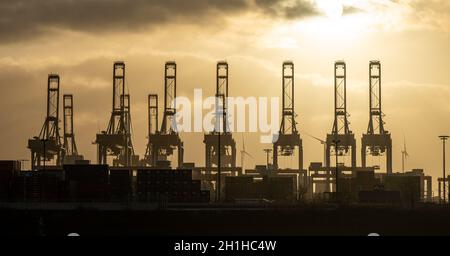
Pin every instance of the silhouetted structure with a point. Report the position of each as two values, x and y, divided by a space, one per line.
86 183
121 184
268 151
164 142
413 186
70 147
425 186
444 138
116 140
98 183
172 186
443 183
244 188
377 141
404 155
227 144
154 180
39 186
288 136
47 145
298 180
151 152
341 132
8 171
323 178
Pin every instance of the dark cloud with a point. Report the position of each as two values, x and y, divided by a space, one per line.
293 10
27 19
22 19
348 9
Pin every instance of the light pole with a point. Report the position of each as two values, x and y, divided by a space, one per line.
268 151
218 113
45 153
336 142
443 138
218 166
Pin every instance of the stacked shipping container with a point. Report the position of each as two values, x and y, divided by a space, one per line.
120 184
279 188
175 186
87 182
8 170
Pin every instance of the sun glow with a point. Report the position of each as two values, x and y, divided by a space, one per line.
332 8
320 32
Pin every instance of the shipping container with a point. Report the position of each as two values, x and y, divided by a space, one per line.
10 165
37 186
97 173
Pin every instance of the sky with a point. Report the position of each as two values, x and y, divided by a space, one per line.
81 39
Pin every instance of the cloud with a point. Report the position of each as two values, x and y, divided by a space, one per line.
349 9
22 20
287 9
417 15
432 13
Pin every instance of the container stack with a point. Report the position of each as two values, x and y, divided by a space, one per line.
8 170
98 183
35 186
87 182
120 184
238 187
279 188
175 186
51 182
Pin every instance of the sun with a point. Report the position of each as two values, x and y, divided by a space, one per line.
332 8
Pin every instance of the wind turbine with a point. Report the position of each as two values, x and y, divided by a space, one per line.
404 154
243 153
324 143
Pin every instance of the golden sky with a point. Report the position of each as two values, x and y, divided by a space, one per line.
81 39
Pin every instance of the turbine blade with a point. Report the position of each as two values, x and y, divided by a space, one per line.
314 137
404 143
248 154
